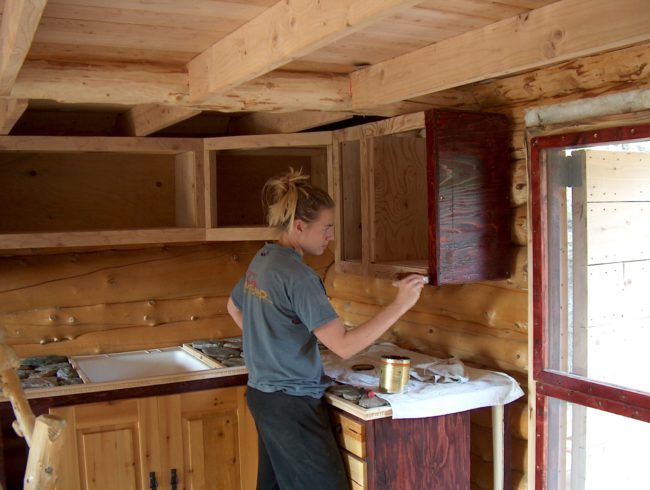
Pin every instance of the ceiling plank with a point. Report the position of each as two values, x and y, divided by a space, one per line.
145 119
10 112
133 84
288 30
557 32
284 122
20 18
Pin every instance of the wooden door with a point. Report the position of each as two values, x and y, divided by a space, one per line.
109 445
219 440
589 202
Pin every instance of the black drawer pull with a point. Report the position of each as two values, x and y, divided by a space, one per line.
153 484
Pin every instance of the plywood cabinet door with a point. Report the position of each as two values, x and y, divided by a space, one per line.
219 440
106 447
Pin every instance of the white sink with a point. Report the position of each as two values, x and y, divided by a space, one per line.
137 364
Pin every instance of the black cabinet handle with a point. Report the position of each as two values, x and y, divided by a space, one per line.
153 484
174 479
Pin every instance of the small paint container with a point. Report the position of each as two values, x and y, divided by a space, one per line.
394 374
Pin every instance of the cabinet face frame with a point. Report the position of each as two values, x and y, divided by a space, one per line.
364 134
212 146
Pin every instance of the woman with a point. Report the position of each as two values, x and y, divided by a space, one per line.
282 307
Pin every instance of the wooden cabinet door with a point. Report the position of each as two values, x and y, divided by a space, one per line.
219 440
108 445
469 196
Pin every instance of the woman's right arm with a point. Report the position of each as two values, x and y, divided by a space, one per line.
346 343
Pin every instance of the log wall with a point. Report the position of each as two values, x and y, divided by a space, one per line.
118 300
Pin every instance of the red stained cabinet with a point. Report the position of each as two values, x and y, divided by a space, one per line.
426 193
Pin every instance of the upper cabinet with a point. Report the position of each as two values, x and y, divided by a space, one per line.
425 193
98 192
60 191
240 165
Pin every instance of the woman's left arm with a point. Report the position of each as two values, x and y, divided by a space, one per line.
235 313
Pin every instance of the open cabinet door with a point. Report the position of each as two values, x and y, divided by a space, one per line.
590 221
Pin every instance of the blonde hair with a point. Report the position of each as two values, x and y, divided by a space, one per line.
291 196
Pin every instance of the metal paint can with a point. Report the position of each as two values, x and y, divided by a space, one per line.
394 374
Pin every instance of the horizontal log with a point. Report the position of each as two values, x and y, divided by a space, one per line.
519 186
113 277
139 83
520 225
588 76
518 271
70 322
491 306
134 338
76 144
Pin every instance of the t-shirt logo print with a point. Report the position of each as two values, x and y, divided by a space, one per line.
251 287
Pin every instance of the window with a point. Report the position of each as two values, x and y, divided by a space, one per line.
590 218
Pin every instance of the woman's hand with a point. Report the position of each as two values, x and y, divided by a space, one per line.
409 291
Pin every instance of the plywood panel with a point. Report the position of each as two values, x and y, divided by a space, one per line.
240 178
56 192
617 176
400 223
350 171
618 232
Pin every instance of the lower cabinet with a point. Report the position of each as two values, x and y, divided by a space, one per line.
405 454
192 441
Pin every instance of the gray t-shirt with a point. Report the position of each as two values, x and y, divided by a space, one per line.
282 301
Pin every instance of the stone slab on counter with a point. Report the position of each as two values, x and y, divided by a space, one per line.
47 372
227 352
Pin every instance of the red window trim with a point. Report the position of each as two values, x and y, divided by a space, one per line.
556 384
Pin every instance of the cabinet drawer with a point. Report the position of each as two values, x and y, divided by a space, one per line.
350 434
357 470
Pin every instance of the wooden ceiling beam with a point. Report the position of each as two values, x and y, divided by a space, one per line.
20 18
286 31
557 32
145 119
285 122
134 84
10 112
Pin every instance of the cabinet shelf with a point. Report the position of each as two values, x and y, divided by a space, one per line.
100 238
241 233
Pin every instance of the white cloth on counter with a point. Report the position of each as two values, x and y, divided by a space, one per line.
440 371
473 388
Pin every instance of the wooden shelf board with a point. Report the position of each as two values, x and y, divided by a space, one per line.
237 234
18 241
